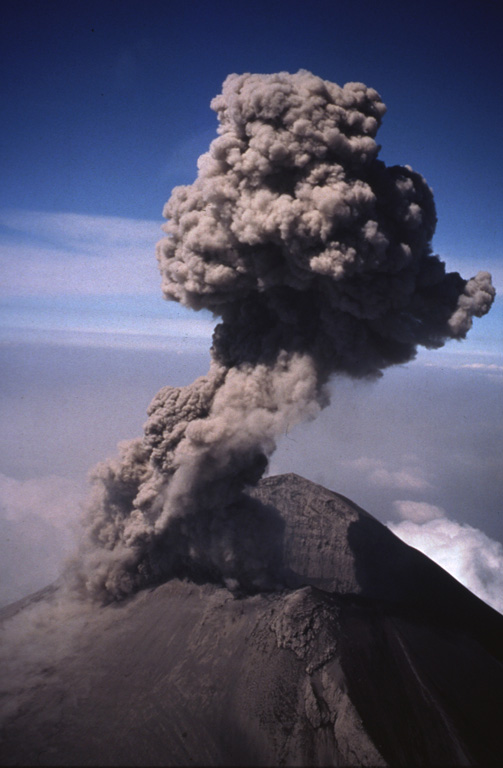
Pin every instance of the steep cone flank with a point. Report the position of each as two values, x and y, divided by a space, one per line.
371 655
331 543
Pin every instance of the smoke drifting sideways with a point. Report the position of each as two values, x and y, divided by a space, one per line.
317 259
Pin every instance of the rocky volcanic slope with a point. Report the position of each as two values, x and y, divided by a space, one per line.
372 655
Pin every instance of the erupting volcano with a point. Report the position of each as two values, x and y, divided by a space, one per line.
215 617
317 259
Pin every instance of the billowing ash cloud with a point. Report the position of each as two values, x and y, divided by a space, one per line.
317 259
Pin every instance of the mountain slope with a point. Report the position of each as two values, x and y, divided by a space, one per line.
371 655
331 543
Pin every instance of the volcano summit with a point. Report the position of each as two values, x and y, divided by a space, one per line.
370 654
206 623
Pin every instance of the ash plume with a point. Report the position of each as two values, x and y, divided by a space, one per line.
317 259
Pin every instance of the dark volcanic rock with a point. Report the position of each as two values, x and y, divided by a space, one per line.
372 655
331 543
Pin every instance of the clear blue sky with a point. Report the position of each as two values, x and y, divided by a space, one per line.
105 104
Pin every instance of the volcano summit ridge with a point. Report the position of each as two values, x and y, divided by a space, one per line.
367 654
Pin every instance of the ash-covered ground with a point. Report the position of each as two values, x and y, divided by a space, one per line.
366 654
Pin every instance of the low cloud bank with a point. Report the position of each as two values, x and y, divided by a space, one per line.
465 552
38 531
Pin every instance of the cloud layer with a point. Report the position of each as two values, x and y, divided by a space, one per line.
75 254
465 552
38 530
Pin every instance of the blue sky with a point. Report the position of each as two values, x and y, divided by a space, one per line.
105 107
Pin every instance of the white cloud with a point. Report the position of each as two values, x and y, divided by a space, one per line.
406 479
52 498
62 273
418 511
75 254
466 553
81 232
38 530
492 371
410 477
180 336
